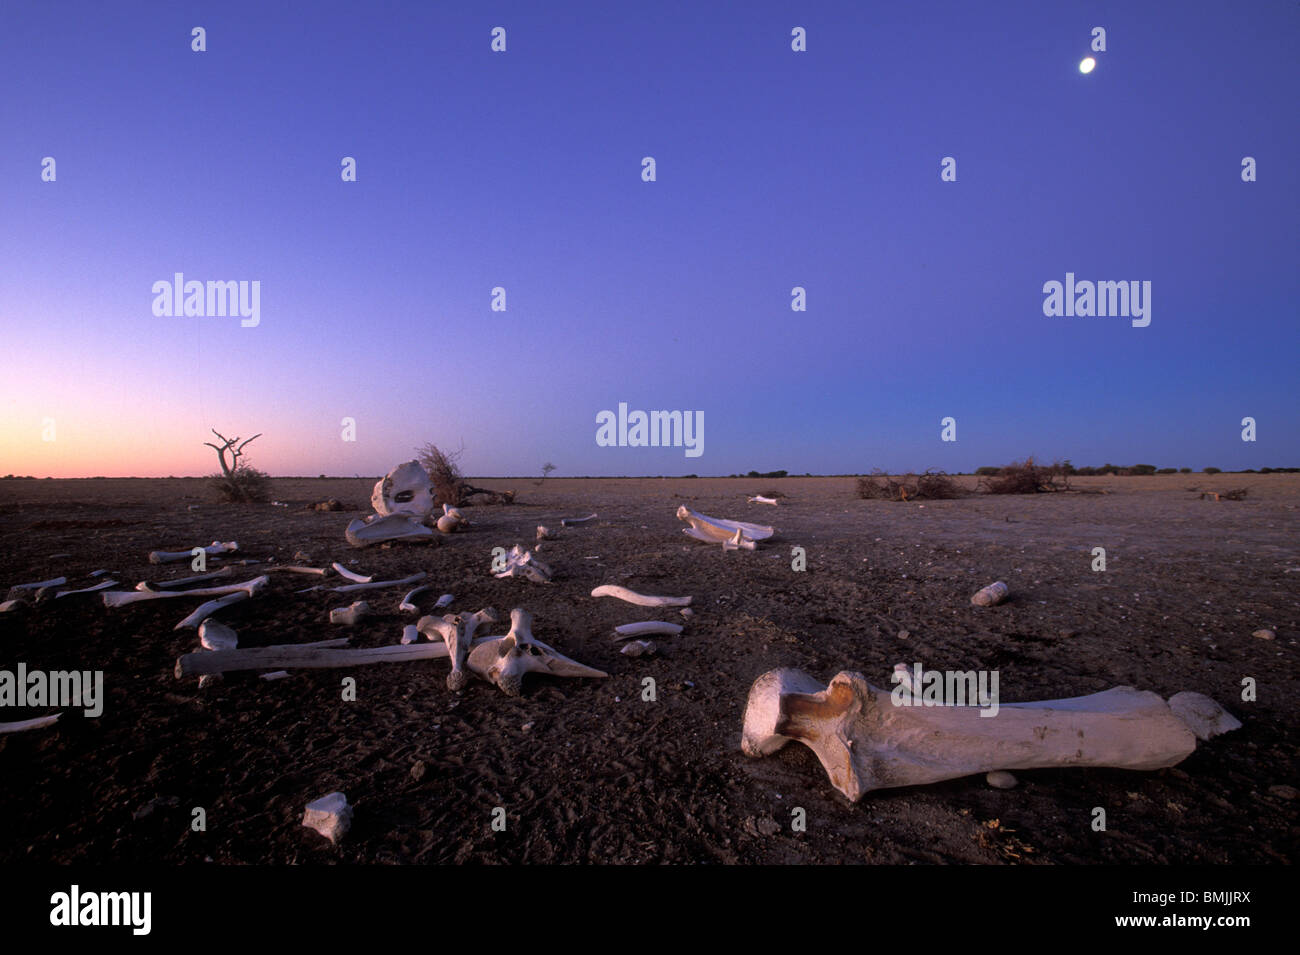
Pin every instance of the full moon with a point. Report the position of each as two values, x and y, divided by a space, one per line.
1087 64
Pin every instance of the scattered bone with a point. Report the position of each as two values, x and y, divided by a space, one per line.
1202 715
39 723
26 590
443 601
203 611
521 563
447 525
640 648
545 533
990 596
451 520
407 490
628 630
379 584
351 575
350 615
100 573
570 521
410 634
1001 779
156 585
641 600
716 530
391 527
687 612
274 675
122 598
864 741
760 499
330 815
457 632
325 655
503 661
12 606
1264 634
215 635
298 569
212 550
407 605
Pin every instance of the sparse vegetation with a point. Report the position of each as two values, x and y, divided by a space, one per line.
239 482
449 485
1212 471
932 485
1028 477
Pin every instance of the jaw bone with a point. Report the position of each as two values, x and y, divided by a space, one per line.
457 631
212 550
504 661
406 489
715 530
865 741
390 527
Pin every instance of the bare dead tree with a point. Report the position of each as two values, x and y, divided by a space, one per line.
238 480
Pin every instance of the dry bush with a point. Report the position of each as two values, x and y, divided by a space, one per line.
1027 477
244 484
449 485
932 485
1238 495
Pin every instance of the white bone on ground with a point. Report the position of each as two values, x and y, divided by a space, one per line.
184 581
567 521
408 605
22 725
350 615
641 600
55 582
212 550
203 611
379 584
760 499
638 648
350 574
121 598
330 815
648 626
443 601
991 595
274 675
215 635
410 634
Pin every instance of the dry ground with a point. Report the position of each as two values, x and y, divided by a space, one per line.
603 776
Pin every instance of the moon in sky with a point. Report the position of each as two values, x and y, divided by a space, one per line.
1087 64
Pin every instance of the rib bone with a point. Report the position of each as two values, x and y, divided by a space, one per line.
378 584
407 605
351 575
641 600
121 598
865 741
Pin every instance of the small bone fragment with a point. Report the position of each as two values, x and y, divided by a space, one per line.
212 550
521 563
379 584
326 655
443 601
274 675
351 575
330 815
391 527
760 499
687 612
156 585
350 615
215 635
121 598
1264 634
866 741
650 626
1001 779
18 603
407 605
410 634
639 648
22 725
503 661
641 600
203 611
100 573
991 595
570 521
545 533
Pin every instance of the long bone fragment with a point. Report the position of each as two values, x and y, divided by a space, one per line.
641 600
17 589
865 742
121 598
570 521
156 585
390 527
205 610
378 584
457 631
351 575
629 630
503 661
296 569
408 602
304 657
716 530
39 723
760 499
212 550
88 590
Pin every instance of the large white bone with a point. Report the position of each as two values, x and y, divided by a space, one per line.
378 584
212 550
760 499
628 630
121 598
351 575
205 610
864 741
503 661
715 530
305 656
350 615
641 600
406 489
521 563
457 631
390 527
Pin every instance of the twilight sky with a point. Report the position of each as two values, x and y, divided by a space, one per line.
523 170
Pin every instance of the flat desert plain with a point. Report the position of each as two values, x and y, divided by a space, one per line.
586 770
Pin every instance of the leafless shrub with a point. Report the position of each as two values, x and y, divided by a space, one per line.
1027 477
932 485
